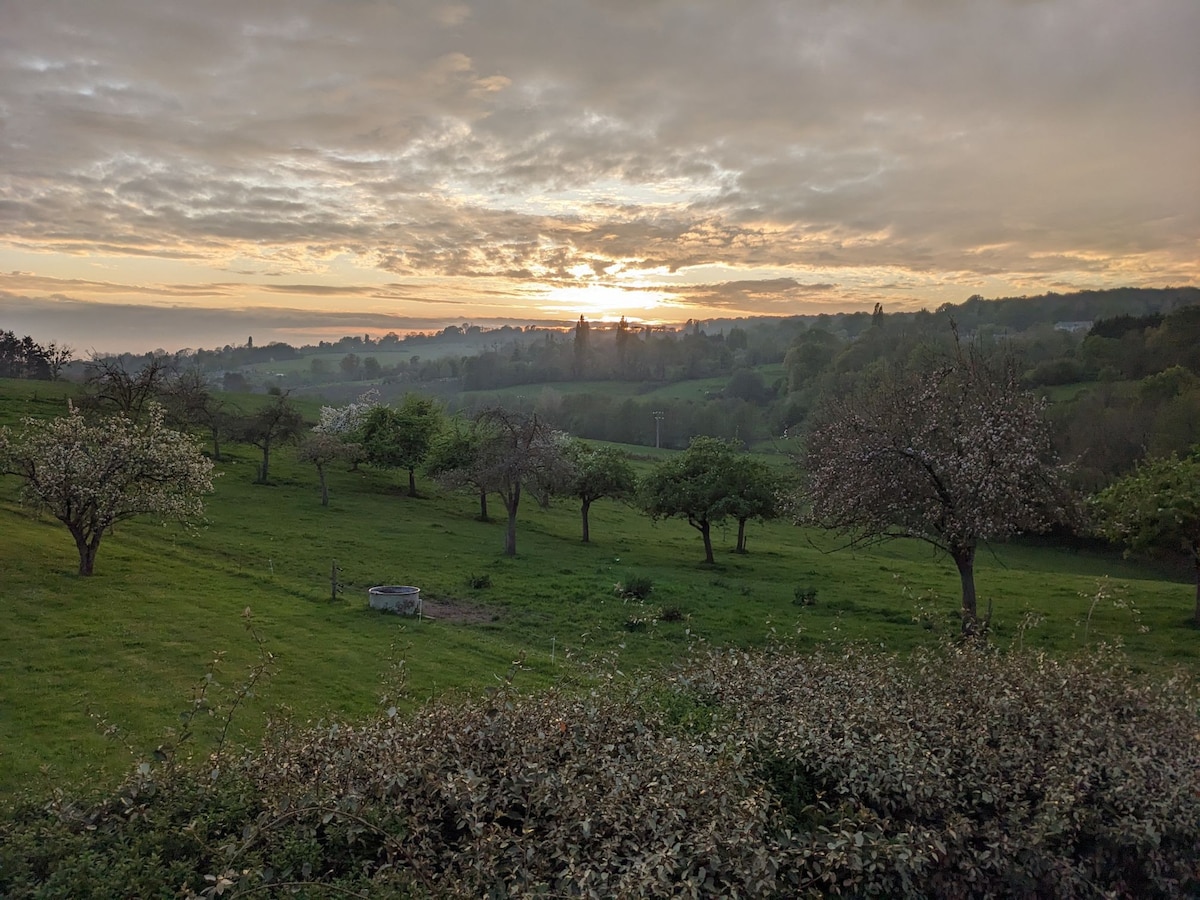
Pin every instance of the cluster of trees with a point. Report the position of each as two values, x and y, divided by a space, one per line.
190 403
621 353
25 358
507 453
831 354
661 423
1141 397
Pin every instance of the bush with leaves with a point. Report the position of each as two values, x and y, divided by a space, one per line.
970 773
1156 507
956 773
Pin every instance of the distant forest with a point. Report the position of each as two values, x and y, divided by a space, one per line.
1121 367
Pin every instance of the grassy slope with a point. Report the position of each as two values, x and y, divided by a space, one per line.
130 642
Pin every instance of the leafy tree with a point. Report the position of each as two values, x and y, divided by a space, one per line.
755 494
510 451
747 384
234 382
91 475
953 452
455 460
25 358
1176 339
597 472
1157 506
275 422
580 349
321 449
400 438
624 337
810 354
1176 424
697 485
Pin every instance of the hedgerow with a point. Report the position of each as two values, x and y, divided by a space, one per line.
956 773
970 773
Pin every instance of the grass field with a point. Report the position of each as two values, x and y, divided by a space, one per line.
128 645
693 389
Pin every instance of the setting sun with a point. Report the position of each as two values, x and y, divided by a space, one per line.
602 302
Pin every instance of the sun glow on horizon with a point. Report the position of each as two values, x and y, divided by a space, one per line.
603 302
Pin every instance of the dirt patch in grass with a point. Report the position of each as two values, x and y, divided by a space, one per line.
451 609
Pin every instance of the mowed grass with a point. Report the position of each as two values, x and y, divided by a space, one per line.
128 646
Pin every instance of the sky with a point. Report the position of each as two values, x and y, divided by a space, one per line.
189 174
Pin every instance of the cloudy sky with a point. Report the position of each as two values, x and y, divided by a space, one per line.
188 173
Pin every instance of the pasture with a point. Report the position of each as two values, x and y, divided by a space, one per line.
124 650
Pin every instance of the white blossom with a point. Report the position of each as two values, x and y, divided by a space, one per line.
343 420
91 475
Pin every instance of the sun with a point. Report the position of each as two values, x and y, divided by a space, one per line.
602 302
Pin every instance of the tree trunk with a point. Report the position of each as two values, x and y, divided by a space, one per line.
741 538
412 483
483 510
706 533
216 439
584 512
324 487
511 501
266 464
964 559
87 549
510 534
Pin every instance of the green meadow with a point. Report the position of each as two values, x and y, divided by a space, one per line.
124 651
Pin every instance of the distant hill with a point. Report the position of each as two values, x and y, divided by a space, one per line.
1019 313
1015 313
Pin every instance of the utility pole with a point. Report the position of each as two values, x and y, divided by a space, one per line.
658 418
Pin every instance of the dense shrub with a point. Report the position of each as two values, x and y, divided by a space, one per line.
968 773
956 774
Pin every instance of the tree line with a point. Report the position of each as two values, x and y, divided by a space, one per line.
25 358
1136 336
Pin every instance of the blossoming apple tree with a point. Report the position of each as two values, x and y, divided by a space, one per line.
92 474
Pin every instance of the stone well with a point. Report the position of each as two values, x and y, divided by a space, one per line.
401 599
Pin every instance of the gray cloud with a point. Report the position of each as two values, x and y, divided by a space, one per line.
1037 142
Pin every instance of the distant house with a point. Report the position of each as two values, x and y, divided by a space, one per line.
1073 326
